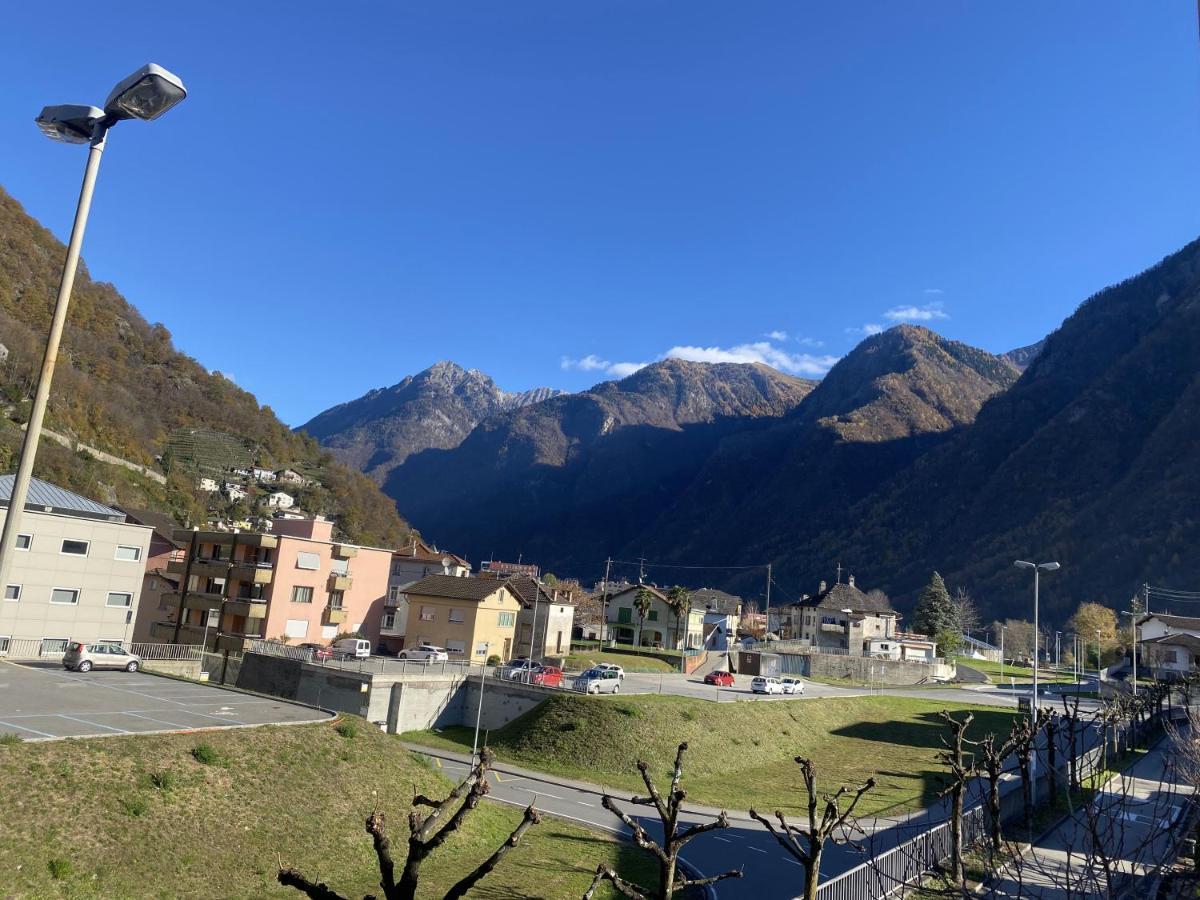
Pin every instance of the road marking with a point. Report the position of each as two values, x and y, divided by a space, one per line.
581 803
756 850
722 840
541 794
792 861
152 719
438 762
26 728
93 724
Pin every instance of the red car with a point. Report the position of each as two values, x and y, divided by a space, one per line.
319 651
548 676
720 679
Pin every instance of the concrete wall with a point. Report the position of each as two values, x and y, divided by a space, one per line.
502 702
185 668
853 668
412 704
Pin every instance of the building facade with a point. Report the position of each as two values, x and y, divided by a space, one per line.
659 628
840 618
76 573
472 618
295 584
545 621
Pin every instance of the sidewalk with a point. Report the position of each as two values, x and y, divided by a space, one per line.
1134 815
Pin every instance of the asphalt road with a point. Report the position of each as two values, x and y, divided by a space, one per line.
41 702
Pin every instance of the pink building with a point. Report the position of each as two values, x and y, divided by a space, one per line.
295 583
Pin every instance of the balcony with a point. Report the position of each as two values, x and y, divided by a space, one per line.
344 551
391 627
833 627
251 609
335 615
164 632
200 600
339 582
225 538
254 572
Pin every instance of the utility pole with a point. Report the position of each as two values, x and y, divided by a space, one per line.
1133 623
767 619
604 603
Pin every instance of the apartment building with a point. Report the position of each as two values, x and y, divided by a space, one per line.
660 627
473 618
76 573
545 621
157 583
838 617
295 583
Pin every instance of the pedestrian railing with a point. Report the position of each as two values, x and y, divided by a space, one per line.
190 652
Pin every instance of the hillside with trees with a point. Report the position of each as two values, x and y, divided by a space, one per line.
123 388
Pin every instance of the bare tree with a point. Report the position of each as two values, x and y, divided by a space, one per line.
425 834
966 613
833 823
1024 742
960 773
674 839
993 767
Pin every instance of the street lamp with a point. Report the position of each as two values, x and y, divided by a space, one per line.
1003 630
1099 674
1133 624
146 94
479 709
1037 568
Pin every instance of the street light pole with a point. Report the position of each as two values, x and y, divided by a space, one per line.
1003 630
1037 568
1099 674
1057 650
146 94
1133 623
479 709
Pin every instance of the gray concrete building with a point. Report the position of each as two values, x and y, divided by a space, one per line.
76 572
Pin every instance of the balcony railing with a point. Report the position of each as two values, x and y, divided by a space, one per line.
335 615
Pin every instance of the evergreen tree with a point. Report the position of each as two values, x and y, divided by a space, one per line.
935 611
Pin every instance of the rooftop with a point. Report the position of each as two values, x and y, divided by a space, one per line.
456 588
46 497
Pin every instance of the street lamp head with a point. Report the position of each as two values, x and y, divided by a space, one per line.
1049 567
146 94
69 123
1021 564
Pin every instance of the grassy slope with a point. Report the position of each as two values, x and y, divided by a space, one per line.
1021 674
582 659
301 792
740 754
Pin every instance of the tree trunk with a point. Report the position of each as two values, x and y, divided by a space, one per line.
994 808
1051 757
1027 793
812 874
956 855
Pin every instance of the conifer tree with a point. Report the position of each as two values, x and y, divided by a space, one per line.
934 612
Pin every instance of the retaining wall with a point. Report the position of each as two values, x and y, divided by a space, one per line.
186 668
861 668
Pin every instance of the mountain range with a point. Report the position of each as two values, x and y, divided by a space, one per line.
914 453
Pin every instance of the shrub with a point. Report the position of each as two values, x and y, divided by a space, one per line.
163 781
346 728
135 806
207 755
688 715
7 740
60 868
494 660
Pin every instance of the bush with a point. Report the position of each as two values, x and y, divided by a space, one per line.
207 754
162 781
346 728
7 740
494 660
135 806
60 868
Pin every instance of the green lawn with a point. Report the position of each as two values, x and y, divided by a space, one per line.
92 823
741 754
582 659
1022 674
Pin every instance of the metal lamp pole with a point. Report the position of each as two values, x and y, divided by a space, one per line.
1099 674
1133 624
1037 568
146 94
479 709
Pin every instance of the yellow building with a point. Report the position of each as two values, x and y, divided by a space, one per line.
473 618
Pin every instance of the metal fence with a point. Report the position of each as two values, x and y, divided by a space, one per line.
42 648
166 651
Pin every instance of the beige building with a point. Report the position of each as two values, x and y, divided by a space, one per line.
296 584
473 618
660 627
839 618
76 572
545 621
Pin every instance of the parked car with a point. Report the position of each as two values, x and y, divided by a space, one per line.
351 648
610 667
319 651
792 685
766 684
548 676
427 652
101 655
519 669
598 681
720 679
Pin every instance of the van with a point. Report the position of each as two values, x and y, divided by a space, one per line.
352 648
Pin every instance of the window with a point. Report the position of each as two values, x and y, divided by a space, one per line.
389 621
308 560
1170 656
75 548
24 541
12 592
4 646
457 617
128 554
116 598
828 620
301 594
653 615
481 648
54 645
456 647
625 615
336 599
507 620
394 592
65 596
427 613
296 628
340 567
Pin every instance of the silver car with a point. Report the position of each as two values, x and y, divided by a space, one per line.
101 655
598 681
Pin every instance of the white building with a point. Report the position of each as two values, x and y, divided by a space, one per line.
1169 646
659 628
76 573
233 491
208 484
262 476
545 621
280 500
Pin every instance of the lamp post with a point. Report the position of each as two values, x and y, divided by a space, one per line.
1003 630
1057 650
1099 674
1037 568
479 709
146 94
1133 624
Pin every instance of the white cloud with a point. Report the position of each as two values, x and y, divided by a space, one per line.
911 313
624 369
757 352
777 335
593 363
866 330
933 291
810 342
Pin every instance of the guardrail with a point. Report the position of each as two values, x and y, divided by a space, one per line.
166 651
36 648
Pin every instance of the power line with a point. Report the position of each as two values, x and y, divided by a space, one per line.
636 562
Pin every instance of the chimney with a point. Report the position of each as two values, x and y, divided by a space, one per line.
821 588
851 581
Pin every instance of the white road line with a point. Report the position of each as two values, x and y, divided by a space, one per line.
756 850
93 724
541 793
792 861
581 803
722 840
26 728
152 719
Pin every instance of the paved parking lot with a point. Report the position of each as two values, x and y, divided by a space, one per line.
40 702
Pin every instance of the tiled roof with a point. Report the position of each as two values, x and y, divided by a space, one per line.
421 551
453 588
711 598
46 497
1176 640
527 588
164 526
846 596
1185 622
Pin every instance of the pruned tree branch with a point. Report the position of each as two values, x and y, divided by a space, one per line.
530 819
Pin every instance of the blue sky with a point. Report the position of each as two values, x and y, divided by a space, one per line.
555 192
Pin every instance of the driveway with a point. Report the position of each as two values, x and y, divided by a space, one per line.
40 703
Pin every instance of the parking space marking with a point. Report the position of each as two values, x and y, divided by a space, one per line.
24 728
152 719
93 724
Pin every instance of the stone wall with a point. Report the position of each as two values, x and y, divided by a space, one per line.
861 668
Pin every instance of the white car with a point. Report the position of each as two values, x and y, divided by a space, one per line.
766 684
611 667
427 652
792 685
